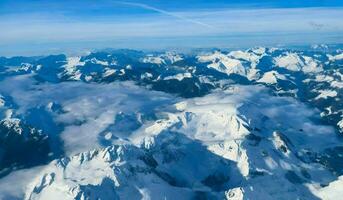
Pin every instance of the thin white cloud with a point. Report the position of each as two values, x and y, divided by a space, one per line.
148 7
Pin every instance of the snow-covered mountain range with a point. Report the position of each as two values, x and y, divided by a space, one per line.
261 123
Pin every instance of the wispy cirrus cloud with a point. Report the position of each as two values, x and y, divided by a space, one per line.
164 12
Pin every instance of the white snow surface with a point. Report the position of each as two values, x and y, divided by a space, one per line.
290 61
71 67
179 77
223 63
166 58
333 191
296 62
335 57
271 77
324 94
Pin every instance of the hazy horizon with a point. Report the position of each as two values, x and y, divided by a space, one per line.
40 27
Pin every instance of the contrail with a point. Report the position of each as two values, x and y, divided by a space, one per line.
147 7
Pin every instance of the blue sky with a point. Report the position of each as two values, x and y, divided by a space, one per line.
42 27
